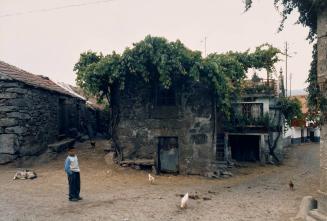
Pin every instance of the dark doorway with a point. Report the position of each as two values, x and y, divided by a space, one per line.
62 116
168 154
312 136
245 147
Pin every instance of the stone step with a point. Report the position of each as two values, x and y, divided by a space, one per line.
315 215
61 145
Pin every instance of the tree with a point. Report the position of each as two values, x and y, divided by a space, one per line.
308 9
288 110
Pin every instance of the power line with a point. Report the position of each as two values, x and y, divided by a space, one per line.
54 8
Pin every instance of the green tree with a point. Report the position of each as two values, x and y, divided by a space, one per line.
308 9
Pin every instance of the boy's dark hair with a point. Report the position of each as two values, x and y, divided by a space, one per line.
71 148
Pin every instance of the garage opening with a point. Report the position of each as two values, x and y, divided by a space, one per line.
245 147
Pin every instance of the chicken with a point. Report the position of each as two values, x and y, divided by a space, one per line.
92 144
184 201
291 185
151 179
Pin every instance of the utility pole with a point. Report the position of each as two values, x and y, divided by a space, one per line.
286 56
290 84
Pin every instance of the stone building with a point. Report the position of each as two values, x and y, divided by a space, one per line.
35 112
321 212
181 129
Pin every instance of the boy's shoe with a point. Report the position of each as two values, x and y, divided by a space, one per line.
79 198
73 200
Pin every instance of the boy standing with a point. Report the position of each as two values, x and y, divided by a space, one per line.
72 170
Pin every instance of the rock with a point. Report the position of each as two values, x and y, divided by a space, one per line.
8 122
15 130
211 175
7 95
19 115
8 143
7 158
226 174
7 108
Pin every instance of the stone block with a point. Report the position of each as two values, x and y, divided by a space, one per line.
7 158
8 95
17 90
8 122
7 108
8 143
19 115
15 130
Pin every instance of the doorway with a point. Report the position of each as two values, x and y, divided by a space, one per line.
168 155
245 147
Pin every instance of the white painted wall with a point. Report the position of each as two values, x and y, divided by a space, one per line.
296 132
265 102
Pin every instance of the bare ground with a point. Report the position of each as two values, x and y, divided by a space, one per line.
120 194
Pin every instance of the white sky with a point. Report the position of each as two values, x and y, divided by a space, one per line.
49 43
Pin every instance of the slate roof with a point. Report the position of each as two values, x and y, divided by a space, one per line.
37 81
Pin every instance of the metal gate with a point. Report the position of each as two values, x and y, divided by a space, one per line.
168 154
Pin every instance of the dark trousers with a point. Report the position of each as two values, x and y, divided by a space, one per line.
74 181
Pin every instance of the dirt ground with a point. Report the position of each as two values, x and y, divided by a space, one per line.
122 194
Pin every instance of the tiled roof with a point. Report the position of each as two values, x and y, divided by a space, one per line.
37 81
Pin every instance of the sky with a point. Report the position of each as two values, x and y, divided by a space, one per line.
46 37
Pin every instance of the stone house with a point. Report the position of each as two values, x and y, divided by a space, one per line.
35 112
181 129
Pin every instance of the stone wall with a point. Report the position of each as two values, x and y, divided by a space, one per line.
322 79
191 120
29 119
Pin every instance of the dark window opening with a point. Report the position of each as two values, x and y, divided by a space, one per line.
166 97
245 147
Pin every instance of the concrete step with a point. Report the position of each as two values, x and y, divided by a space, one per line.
61 145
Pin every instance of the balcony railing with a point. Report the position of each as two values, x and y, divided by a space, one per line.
260 87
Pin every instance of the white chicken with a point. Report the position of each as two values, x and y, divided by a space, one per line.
151 179
184 201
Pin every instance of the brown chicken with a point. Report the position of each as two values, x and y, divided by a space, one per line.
291 185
